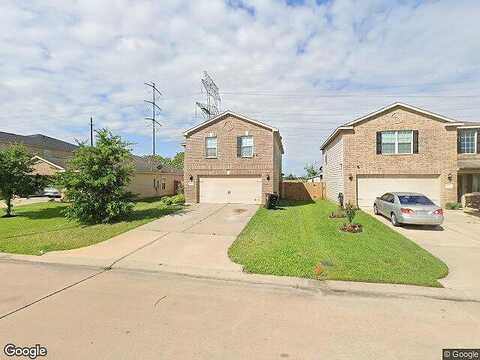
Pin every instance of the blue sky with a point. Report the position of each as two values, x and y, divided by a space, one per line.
302 66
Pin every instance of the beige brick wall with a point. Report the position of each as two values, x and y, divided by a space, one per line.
43 168
146 185
227 163
437 152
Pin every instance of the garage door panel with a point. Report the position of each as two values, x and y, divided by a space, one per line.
370 187
235 190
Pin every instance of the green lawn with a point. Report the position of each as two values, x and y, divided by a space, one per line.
41 227
294 240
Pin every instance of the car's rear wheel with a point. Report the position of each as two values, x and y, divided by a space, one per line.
375 209
393 219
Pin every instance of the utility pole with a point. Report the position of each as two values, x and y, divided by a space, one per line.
155 107
91 131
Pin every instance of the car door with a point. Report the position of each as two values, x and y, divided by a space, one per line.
381 204
389 203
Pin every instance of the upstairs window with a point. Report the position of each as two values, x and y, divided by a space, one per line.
245 146
467 141
211 147
397 142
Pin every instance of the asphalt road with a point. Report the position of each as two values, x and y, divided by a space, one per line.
88 313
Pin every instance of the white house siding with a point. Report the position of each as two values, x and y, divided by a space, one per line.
333 168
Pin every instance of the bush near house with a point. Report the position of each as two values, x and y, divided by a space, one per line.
96 181
178 199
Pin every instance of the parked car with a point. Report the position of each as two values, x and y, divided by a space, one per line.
408 208
50 192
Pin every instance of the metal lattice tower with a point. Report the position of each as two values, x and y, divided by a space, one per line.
213 101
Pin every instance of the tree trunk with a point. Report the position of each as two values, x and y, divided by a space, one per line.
8 201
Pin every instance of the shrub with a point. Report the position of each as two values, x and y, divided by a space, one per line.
350 212
453 205
174 200
96 181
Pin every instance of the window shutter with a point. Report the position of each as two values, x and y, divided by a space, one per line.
379 142
415 141
239 146
478 141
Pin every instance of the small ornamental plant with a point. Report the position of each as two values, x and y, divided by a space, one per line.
350 226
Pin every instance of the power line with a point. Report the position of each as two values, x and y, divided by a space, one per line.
155 108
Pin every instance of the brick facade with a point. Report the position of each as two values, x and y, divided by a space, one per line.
437 154
266 162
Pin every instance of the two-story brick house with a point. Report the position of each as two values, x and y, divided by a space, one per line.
232 159
402 148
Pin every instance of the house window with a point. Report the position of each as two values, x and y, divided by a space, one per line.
397 142
246 146
467 141
163 184
211 147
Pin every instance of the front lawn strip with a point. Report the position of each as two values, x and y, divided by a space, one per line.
41 227
301 240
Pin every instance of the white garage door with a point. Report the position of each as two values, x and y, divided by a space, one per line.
235 190
370 187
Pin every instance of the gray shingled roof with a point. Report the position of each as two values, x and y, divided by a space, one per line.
39 140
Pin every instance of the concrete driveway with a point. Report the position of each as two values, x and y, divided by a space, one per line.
189 241
456 242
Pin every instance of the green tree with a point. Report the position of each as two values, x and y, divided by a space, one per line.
310 170
176 161
97 179
290 177
16 175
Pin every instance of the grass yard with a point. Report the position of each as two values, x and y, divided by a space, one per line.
41 227
294 240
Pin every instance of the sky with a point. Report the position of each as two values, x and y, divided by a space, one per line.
304 67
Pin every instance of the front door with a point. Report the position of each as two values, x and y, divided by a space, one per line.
468 183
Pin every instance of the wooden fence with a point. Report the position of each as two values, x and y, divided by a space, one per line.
303 191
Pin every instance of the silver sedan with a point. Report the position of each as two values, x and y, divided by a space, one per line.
408 208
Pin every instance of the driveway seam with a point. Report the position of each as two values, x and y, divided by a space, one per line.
203 219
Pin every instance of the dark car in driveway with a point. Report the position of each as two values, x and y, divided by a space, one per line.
408 208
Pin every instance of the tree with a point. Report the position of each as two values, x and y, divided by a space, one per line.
290 177
97 179
176 161
16 175
311 171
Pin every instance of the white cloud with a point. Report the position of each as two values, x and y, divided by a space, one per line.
304 69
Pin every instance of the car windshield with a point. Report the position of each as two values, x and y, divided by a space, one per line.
414 200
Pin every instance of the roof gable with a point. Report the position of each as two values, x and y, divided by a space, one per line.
397 105
223 115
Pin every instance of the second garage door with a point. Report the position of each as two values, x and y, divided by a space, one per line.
369 187
235 190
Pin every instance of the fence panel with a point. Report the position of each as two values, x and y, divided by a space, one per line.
303 191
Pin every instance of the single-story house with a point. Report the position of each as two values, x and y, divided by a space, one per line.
402 148
231 158
52 155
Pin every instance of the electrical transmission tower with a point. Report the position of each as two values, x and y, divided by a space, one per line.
155 108
212 105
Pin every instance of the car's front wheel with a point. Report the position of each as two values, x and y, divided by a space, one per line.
393 219
375 209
